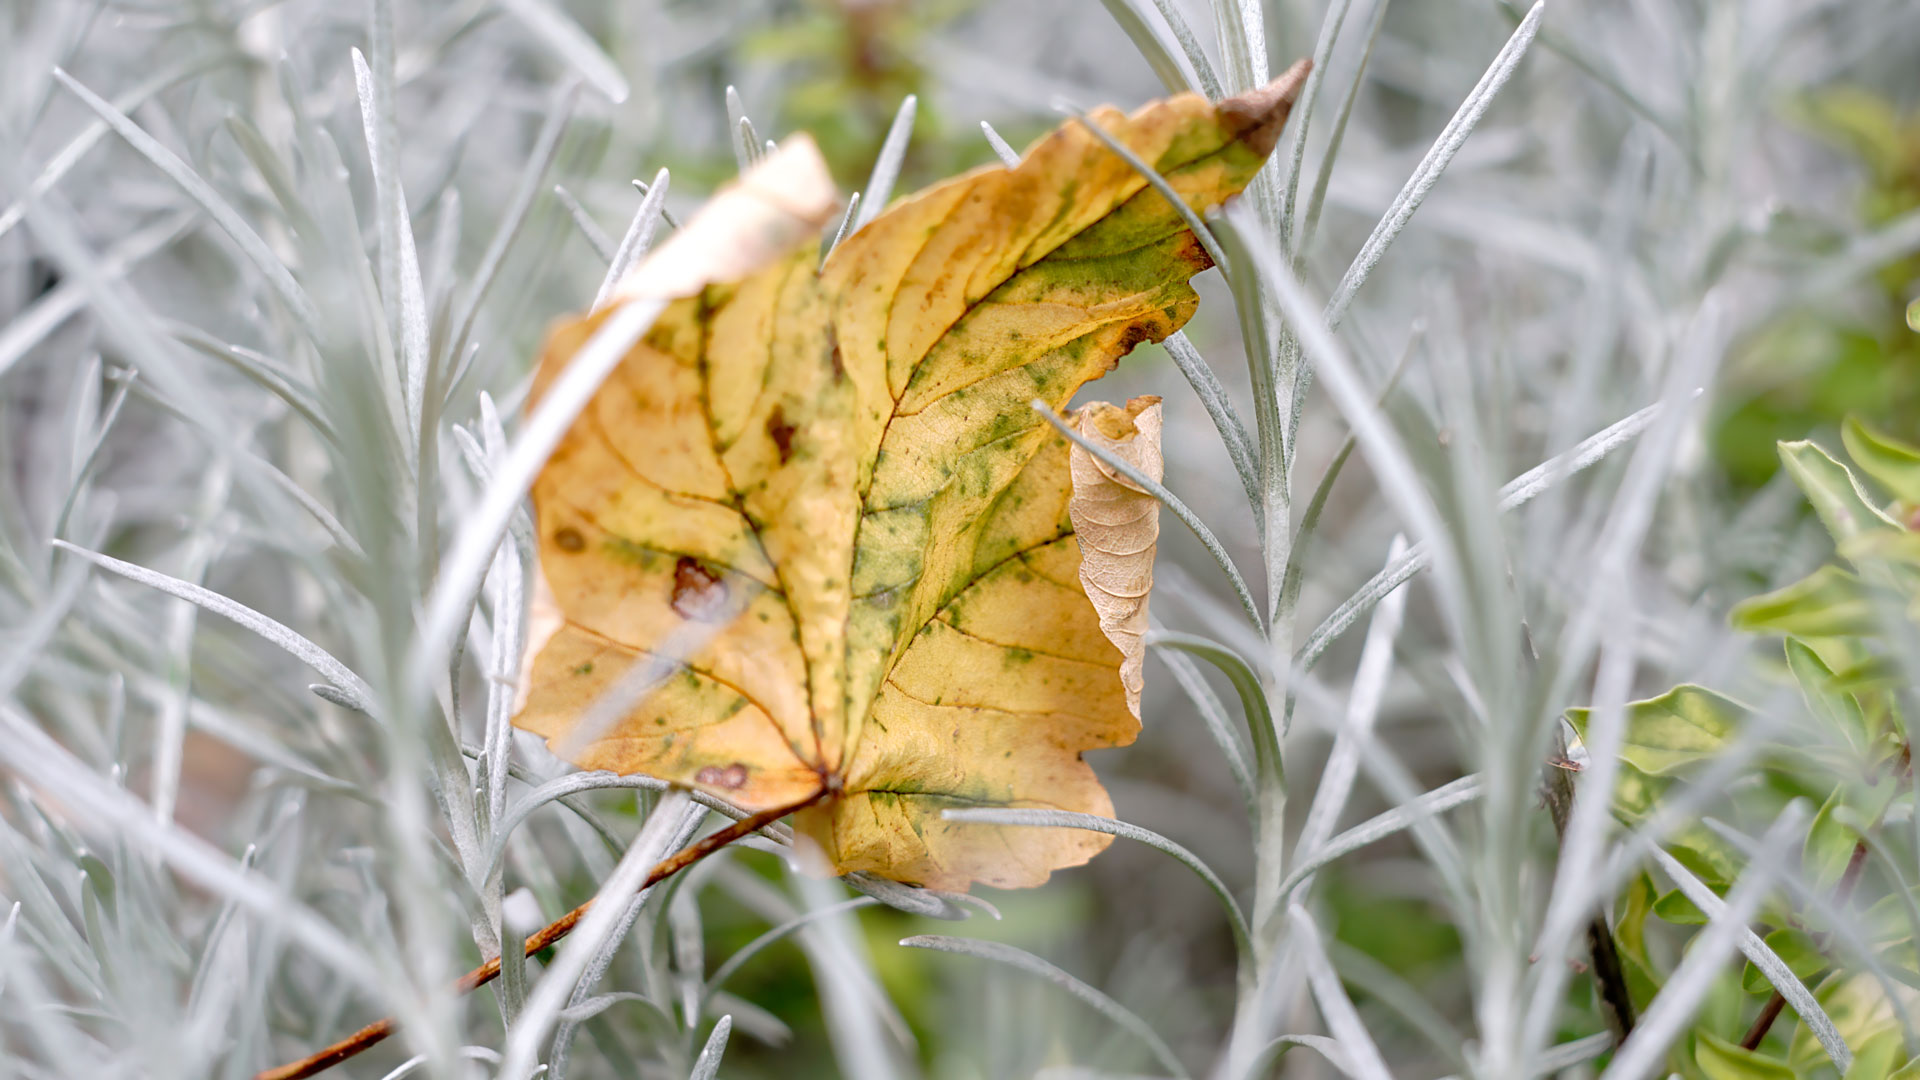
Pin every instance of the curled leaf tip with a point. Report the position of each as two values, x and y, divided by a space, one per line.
1264 110
1118 526
773 208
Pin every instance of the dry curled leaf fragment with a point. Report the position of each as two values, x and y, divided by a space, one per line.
1118 525
814 509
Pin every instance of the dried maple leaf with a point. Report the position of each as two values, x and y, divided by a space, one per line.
815 508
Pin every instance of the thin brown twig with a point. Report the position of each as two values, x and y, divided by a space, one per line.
1842 892
373 1033
1609 974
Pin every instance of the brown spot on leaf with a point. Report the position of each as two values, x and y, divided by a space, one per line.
698 593
732 777
781 433
569 540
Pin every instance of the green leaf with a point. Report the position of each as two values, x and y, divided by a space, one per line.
1859 1008
1798 949
1722 1060
1829 844
1630 929
1636 795
1886 920
1686 724
1701 850
1858 120
1899 550
1894 464
1674 907
1876 1058
1839 711
1830 602
1630 932
1871 673
1844 508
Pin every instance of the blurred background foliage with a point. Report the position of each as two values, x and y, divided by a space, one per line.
1816 364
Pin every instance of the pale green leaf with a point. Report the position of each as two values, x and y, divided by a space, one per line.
1829 844
1674 907
1830 602
1722 1060
1686 724
1844 507
1894 464
1839 711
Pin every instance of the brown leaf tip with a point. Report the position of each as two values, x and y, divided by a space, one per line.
1264 111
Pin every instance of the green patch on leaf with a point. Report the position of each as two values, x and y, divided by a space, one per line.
1684 725
1830 602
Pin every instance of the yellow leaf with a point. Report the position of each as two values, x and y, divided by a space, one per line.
813 517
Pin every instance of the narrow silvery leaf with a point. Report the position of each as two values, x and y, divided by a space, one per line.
1799 998
1336 1008
1066 819
1213 713
707 1065
1304 232
1153 44
351 686
1309 97
886 167
576 954
1674 1007
1516 492
746 144
844 229
545 145
596 236
1007 154
201 192
1219 405
1440 799
638 238
1438 157
1026 961
572 44
22 331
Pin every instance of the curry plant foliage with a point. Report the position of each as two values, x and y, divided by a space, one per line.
274 279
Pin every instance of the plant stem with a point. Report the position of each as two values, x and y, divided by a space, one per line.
1609 976
373 1033
1841 894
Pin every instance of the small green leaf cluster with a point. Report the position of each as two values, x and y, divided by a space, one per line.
1846 926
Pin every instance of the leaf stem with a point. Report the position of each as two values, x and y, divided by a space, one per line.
373 1033
1603 953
